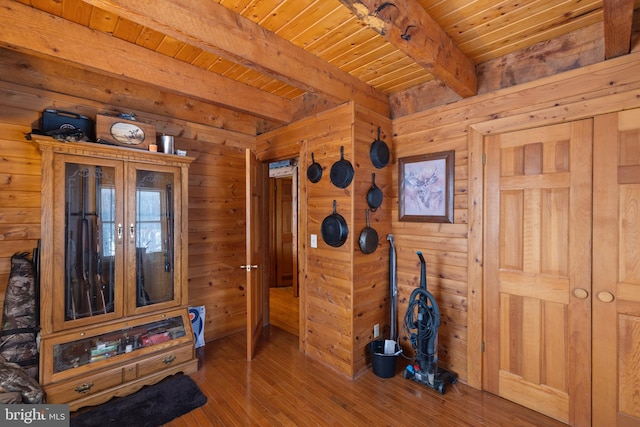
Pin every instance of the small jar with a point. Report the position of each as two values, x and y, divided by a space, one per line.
153 147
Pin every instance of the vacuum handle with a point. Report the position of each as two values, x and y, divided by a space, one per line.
423 271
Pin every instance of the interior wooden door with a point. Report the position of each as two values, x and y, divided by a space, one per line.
616 272
284 231
537 270
294 230
256 224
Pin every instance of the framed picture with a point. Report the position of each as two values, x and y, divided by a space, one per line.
426 187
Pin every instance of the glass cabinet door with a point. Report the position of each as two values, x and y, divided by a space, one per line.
154 237
90 240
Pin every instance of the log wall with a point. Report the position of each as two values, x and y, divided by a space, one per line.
574 50
454 251
216 197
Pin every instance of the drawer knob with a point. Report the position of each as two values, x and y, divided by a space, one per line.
168 360
84 387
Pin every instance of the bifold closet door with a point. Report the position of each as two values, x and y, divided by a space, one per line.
616 269
537 269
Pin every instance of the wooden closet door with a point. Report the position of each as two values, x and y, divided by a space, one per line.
616 270
537 269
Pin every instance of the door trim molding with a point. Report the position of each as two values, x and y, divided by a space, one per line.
475 286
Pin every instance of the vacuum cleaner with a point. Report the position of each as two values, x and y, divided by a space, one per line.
421 324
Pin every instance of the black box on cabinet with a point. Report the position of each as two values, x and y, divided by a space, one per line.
60 122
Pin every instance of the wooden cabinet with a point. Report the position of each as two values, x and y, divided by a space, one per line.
113 271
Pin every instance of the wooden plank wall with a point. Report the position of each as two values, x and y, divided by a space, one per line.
217 229
326 328
454 251
216 198
328 296
19 185
444 247
370 271
62 77
345 292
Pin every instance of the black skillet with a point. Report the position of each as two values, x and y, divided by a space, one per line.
374 195
379 153
342 171
334 229
314 172
368 238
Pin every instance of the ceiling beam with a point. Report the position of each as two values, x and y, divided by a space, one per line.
32 31
618 20
407 25
212 27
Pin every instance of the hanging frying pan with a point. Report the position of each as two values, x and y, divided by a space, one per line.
314 172
334 229
342 171
379 152
368 238
374 195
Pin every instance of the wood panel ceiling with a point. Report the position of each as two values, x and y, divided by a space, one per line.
364 50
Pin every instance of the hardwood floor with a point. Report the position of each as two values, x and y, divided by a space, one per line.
283 387
284 309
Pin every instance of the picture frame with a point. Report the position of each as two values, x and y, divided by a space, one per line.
425 187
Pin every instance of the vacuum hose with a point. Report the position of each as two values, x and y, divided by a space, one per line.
422 319
423 316
421 323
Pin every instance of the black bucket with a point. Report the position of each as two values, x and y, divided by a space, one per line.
384 365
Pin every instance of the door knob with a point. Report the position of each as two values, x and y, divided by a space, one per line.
248 267
580 293
605 296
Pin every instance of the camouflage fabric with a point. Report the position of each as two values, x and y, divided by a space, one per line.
18 336
13 378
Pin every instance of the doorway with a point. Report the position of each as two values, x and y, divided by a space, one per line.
283 277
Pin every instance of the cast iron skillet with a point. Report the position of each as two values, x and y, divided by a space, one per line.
314 172
379 153
368 238
334 229
342 171
374 195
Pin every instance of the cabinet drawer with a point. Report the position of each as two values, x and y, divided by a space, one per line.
81 387
165 360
